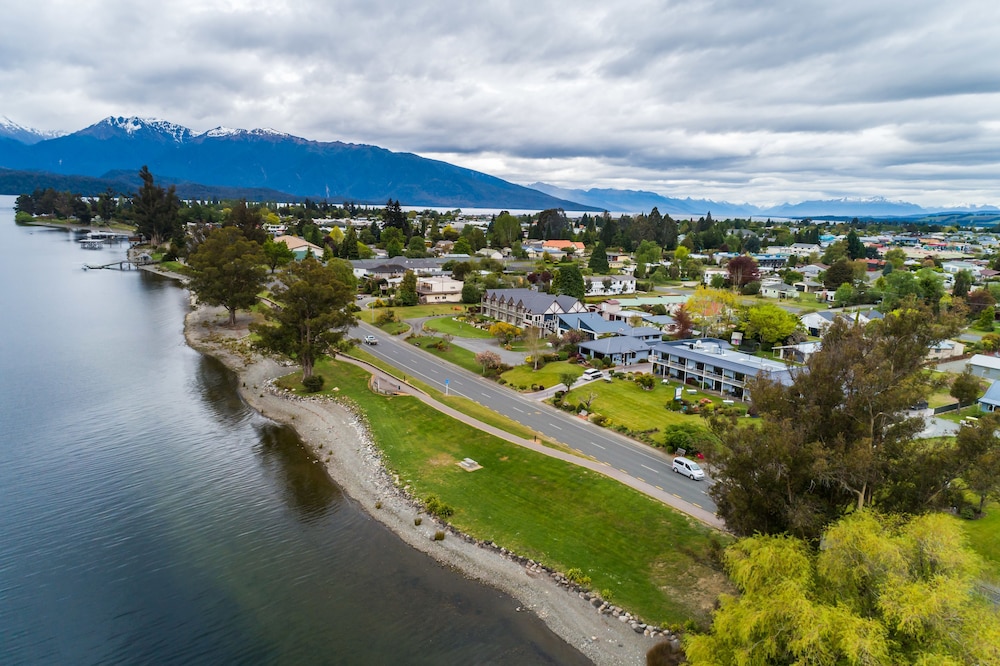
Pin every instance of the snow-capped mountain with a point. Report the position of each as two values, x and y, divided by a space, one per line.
26 135
137 128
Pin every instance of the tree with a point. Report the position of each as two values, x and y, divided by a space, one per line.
840 272
986 318
504 332
471 293
534 342
506 229
569 281
313 316
979 300
835 435
881 591
349 246
248 220
599 259
965 388
416 248
844 294
979 448
393 217
568 378
713 309
490 360
228 270
963 282
683 323
769 323
407 292
855 248
155 209
742 270
277 254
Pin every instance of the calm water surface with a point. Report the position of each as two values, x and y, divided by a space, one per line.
148 516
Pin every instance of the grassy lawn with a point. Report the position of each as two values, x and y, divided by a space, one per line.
623 402
395 327
547 375
984 538
417 311
459 329
463 358
959 414
652 560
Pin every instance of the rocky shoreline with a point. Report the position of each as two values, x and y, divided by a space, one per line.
338 437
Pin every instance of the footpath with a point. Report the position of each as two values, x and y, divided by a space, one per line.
384 380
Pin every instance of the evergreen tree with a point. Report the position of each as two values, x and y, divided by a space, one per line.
155 210
228 271
599 259
569 281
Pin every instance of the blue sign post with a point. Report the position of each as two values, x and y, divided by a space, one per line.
446 382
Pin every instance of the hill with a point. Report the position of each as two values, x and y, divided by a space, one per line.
270 160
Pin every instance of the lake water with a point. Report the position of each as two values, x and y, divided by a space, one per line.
148 516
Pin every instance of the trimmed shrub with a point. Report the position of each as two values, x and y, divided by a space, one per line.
439 535
314 383
436 507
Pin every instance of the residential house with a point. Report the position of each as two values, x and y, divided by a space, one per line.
300 246
816 323
778 290
609 285
714 365
621 349
800 353
990 401
526 307
982 365
945 349
439 290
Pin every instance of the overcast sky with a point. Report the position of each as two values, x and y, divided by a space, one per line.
753 101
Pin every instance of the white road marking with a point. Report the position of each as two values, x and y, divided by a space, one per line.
651 469
555 426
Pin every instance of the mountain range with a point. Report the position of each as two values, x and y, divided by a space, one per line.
266 164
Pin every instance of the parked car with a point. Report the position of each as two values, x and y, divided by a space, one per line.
688 468
371 340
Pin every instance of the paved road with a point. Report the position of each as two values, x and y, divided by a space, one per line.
632 458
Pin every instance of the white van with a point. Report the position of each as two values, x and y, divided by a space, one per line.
688 468
592 373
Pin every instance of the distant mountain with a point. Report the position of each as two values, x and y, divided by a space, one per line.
21 134
639 201
272 160
875 206
127 182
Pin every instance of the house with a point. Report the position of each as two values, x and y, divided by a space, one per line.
714 365
591 324
816 323
812 271
439 290
621 349
991 399
609 285
987 367
800 353
526 307
563 247
778 290
809 286
945 349
300 246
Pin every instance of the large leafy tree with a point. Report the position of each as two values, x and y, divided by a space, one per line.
569 281
840 429
599 259
770 323
407 292
277 254
228 270
249 220
155 210
879 592
741 270
505 230
313 313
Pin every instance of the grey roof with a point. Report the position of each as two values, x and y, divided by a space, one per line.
722 355
534 302
421 263
617 344
992 395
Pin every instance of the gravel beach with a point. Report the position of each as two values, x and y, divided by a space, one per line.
339 440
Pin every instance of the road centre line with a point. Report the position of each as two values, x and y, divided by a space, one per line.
654 471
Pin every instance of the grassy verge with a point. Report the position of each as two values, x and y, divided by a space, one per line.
959 414
650 559
463 358
466 406
984 538
459 329
417 311
395 327
547 375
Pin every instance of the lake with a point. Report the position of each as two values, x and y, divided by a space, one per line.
149 516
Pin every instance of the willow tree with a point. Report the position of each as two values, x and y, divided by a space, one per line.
312 313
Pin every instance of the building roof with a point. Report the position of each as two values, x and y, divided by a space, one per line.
296 243
992 395
721 354
985 361
535 302
617 344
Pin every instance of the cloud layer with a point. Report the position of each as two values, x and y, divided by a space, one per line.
760 102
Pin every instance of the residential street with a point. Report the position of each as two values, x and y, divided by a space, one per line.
623 454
